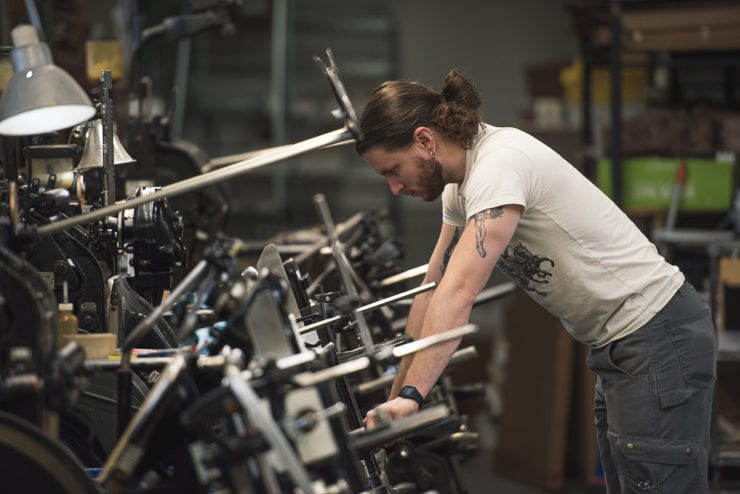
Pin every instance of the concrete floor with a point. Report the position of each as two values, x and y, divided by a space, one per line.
480 478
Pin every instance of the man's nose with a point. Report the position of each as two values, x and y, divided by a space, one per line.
395 185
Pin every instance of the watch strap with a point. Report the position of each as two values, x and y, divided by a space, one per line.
411 393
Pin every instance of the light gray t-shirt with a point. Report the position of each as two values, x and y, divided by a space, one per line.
574 251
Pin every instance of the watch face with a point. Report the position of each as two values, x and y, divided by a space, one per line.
412 393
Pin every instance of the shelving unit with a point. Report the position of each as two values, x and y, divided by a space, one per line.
677 39
672 40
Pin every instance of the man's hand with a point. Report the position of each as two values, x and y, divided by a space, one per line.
394 409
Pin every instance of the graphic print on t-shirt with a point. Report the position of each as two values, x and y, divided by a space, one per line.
527 269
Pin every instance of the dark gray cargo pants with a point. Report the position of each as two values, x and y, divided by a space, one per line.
654 399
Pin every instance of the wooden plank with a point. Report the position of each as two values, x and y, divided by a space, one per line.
729 276
681 18
693 39
708 27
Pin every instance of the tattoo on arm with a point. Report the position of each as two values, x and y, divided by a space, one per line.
450 248
480 227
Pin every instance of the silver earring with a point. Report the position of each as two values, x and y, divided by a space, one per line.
433 154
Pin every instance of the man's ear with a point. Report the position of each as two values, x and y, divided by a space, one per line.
424 136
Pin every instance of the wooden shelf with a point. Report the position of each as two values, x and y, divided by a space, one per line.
706 27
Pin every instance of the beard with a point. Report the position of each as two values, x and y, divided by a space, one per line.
431 182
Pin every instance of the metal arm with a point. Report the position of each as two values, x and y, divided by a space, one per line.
368 307
344 268
199 181
345 110
280 153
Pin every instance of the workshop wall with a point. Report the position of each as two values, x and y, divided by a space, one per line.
495 42
228 97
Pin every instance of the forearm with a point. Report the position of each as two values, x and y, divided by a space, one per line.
450 305
480 245
444 312
413 328
446 243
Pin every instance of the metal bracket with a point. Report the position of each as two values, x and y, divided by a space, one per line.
345 111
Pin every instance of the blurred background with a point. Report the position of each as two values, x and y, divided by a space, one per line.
215 79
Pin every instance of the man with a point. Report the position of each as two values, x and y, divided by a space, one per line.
509 200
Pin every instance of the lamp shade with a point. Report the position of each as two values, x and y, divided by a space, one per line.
39 97
92 155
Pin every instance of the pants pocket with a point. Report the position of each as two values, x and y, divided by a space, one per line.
657 465
675 397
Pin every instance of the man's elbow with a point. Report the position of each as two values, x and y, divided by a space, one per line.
459 293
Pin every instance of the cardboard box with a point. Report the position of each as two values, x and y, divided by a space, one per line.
635 84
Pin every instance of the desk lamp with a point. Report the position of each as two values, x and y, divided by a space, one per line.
39 97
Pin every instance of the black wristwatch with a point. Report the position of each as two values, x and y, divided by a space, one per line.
411 393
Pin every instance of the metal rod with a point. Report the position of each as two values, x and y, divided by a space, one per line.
158 311
319 324
109 194
386 380
341 229
435 339
182 68
345 270
35 18
114 364
397 297
615 55
306 379
368 307
405 275
279 70
279 59
318 281
229 159
125 376
252 404
200 181
494 293
367 439
119 463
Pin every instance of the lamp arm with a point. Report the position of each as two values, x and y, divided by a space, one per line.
35 18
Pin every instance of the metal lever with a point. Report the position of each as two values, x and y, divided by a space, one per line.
418 345
386 380
345 270
345 110
405 275
368 307
395 298
336 371
356 365
367 439
252 404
